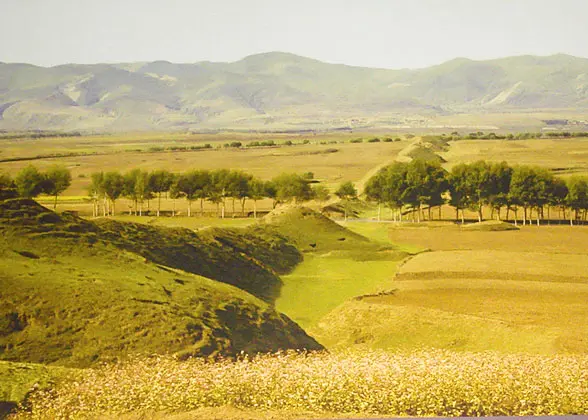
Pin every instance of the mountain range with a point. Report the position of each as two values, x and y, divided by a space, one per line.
279 91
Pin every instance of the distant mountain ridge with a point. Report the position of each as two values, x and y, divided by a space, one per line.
277 90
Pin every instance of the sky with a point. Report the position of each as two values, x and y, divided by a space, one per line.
372 33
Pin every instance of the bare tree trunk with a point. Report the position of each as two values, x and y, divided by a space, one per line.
463 216
538 216
255 209
524 216
55 203
480 213
201 207
516 211
158 203
379 211
223 209
189 208
174 208
571 218
243 207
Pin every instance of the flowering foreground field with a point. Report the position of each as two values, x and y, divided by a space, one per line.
423 383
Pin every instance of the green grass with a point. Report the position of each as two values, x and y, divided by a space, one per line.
333 271
18 379
323 282
76 294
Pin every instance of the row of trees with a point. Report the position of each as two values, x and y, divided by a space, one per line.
30 182
497 186
215 186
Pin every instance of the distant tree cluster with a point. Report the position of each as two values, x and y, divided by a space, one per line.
480 135
30 182
216 186
419 184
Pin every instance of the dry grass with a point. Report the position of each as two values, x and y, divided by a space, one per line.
541 266
550 153
548 239
350 163
509 291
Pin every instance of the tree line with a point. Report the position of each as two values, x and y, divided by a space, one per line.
421 185
213 186
30 182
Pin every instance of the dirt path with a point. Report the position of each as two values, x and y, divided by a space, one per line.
360 185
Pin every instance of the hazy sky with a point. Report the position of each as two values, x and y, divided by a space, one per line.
375 33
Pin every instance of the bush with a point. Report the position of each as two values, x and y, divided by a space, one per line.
356 141
374 140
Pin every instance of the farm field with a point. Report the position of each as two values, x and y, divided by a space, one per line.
513 291
365 290
330 163
565 156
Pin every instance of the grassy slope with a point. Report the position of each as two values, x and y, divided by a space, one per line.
72 298
17 379
338 264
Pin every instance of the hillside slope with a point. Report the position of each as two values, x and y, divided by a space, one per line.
276 90
73 295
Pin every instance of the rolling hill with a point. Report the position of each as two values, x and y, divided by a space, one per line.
77 293
278 91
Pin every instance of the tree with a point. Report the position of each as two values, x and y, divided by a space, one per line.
57 180
113 184
257 191
321 193
175 193
96 192
577 198
188 185
458 189
426 182
500 175
346 192
557 196
7 187
395 187
29 182
137 188
220 183
160 181
291 187
238 188
529 187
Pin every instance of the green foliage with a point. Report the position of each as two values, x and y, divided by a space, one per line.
411 184
321 192
346 191
577 197
74 305
29 182
291 187
57 180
